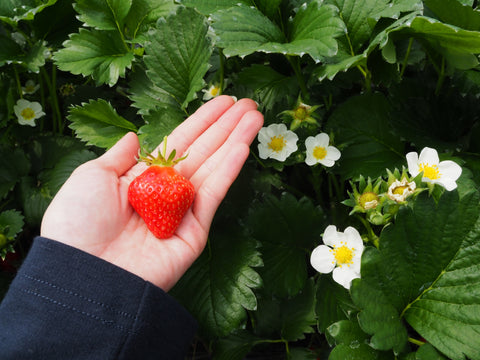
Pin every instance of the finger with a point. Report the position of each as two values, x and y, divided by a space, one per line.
189 130
214 137
244 133
215 187
122 156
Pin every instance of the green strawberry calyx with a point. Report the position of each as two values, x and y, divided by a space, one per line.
162 159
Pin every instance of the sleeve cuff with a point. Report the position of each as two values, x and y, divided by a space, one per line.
65 303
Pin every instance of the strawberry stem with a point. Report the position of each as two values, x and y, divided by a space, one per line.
162 159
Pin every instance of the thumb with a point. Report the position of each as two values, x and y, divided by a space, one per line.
123 155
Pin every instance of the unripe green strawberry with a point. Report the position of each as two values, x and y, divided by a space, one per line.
161 195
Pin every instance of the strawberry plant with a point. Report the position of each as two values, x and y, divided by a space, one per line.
371 120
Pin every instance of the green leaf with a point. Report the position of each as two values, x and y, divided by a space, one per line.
333 303
361 127
446 313
13 11
286 228
208 7
97 123
32 59
218 287
100 54
35 200
177 54
103 14
234 347
159 123
378 316
14 164
145 95
454 13
288 318
56 177
425 272
144 14
351 343
358 352
457 45
428 352
12 222
357 15
243 30
268 84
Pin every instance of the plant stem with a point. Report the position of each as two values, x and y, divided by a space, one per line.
221 70
56 116
17 81
441 77
294 62
405 59
416 342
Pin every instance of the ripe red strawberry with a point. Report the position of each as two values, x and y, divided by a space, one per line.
161 195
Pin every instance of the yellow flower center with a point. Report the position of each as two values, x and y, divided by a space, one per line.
430 172
277 143
368 200
319 152
301 113
214 91
343 255
28 113
399 190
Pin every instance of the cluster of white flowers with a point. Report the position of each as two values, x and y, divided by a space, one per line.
277 142
341 253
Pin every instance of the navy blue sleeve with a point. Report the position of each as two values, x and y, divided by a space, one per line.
67 304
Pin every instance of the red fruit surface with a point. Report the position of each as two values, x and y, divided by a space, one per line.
161 196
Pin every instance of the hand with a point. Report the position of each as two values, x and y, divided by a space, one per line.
91 211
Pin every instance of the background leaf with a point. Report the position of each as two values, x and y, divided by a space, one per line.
289 318
177 55
217 289
12 11
242 30
101 54
287 229
419 251
97 123
144 14
362 129
103 14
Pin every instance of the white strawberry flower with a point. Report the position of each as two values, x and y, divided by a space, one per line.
341 253
444 173
30 87
319 151
276 142
212 92
27 112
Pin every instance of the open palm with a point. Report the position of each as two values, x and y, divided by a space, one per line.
91 211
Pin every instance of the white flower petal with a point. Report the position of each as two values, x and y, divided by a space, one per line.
428 156
448 183
354 240
327 162
322 140
333 153
310 144
330 235
322 259
450 169
412 162
344 276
